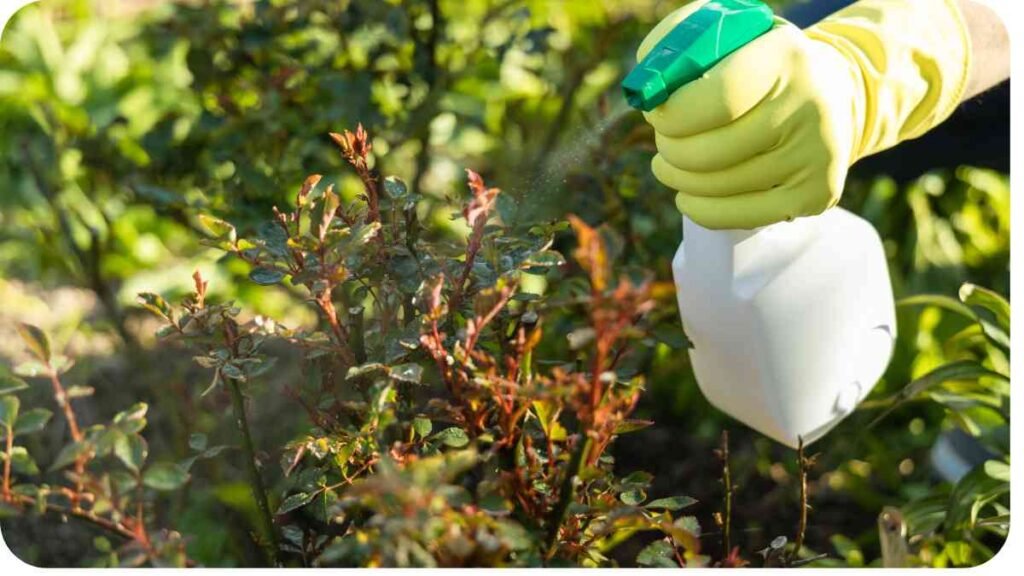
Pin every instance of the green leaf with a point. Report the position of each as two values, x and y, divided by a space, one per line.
68 454
997 335
671 503
958 552
10 384
944 302
395 188
218 228
638 478
197 442
545 259
213 384
133 419
31 369
627 426
80 391
103 440
274 238
36 341
689 524
454 437
295 501
998 470
634 497
156 304
131 449
411 373
960 370
545 412
165 476
21 461
9 411
971 493
365 370
422 426
32 421
990 300
657 554
266 276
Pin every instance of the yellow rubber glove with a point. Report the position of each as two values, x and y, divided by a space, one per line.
770 132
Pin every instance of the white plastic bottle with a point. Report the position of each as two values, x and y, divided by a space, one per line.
792 324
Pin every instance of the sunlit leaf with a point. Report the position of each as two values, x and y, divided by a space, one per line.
422 426
671 503
9 411
36 341
218 228
132 450
974 295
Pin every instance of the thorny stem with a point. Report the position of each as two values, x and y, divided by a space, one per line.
727 499
566 494
805 465
259 493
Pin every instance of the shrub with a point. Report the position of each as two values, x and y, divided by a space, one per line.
437 438
436 434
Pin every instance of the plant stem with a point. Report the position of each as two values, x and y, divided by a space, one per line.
727 481
259 493
804 464
340 333
60 396
9 454
81 514
566 494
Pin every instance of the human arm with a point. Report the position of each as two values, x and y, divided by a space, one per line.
770 132
990 47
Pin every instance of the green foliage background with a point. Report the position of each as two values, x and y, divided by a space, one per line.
117 129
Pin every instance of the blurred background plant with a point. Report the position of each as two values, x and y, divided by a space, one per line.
121 122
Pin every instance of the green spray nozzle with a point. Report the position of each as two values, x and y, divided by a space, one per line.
694 46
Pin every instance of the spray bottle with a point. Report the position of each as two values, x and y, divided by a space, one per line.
793 323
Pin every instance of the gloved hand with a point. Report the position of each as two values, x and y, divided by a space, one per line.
770 132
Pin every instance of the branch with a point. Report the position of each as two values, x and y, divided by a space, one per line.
259 493
727 481
566 494
84 515
805 463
